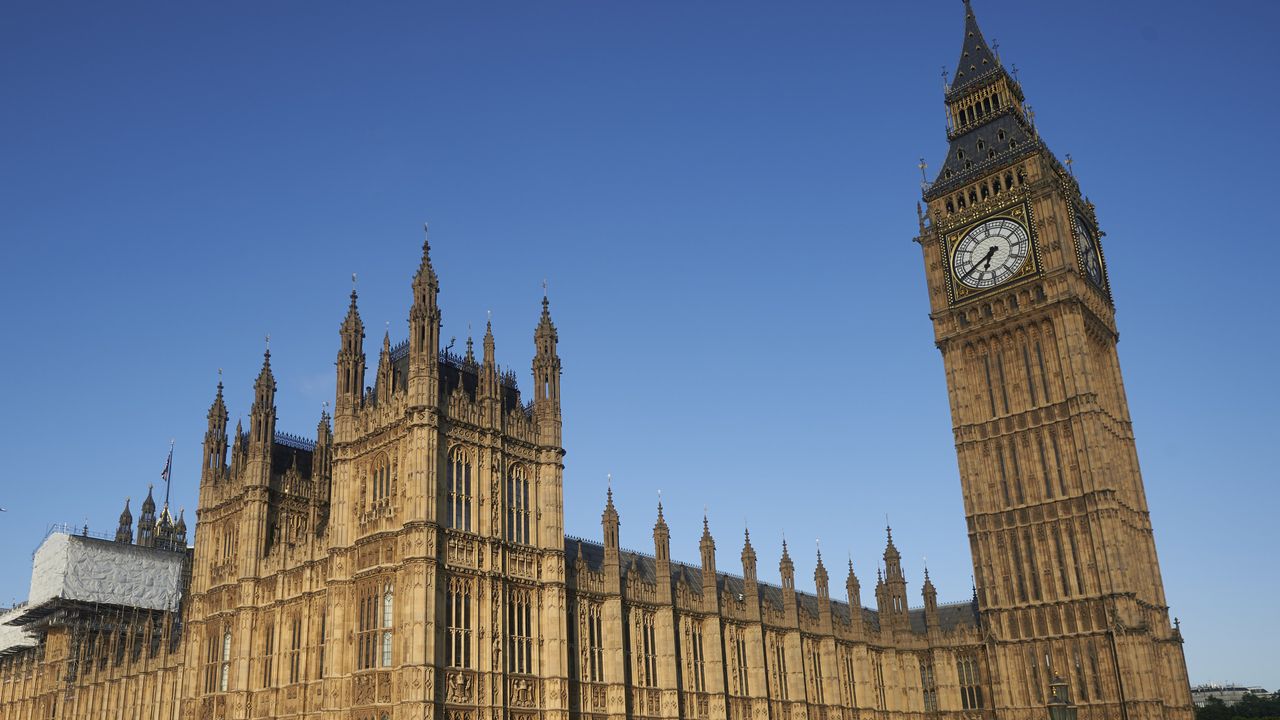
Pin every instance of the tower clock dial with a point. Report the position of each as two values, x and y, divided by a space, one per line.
1090 259
991 253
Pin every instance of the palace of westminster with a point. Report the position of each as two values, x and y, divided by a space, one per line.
410 560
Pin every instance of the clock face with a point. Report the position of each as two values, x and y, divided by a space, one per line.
991 253
1089 257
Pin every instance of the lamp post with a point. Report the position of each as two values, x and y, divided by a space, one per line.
1060 707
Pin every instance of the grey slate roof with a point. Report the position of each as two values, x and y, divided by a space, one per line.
976 58
949 616
983 149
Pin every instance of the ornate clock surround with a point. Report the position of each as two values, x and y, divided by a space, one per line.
1016 208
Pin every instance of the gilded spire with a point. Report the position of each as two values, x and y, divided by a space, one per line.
426 274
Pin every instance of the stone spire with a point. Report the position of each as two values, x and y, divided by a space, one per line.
546 377
787 569
748 561
215 440
262 419
661 537
424 330
820 578
124 532
351 361
147 521
609 522
385 382
180 529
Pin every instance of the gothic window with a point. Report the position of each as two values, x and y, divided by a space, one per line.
1057 462
815 673
1031 384
518 505
224 667
694 662
779 669
388 605
380 481
1081 682
1004 391
848 679
738 661
459 481
1008 177
970 687
324 616
1075 556
1033 667
457 609
928 686
593 653
1017 567
1031 558
1044 466
986 192
880 705
374 621
981 145
1062 562
1017 470
991 393
212 650
295 648
268 649
1093 667
645 648
520 632
950 207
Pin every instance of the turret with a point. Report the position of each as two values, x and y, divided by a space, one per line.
787 569
262 418
609 522
385 382
215 441
821 581
351 363
662 556
424 331
854 594
750 587
321 473
895 584
546 377
707 548
180 531
930 595
489 388
124 531
147 521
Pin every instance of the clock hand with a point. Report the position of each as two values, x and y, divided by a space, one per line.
985 258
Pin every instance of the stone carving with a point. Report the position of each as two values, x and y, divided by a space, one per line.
458 688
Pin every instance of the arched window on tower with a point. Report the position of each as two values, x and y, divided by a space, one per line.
380 481
518 505
458 514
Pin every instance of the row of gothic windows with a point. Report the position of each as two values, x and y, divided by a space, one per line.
985 189
461 498
375 614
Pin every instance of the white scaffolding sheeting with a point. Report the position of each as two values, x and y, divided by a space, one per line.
13 638
86 569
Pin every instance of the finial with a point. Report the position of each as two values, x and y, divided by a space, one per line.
426 234
946 82
268 339
544 288
850 562
923 165
1070 163
659 504
995 48
1014 69
818 544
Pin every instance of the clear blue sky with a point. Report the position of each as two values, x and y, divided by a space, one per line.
721 196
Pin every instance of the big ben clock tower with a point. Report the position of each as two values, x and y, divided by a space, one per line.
1064 557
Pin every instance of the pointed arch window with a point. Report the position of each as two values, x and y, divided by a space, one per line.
457 610
374 630
520 631
518 505
224 669
380 481
459 482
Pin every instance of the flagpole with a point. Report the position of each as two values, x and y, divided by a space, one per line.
168 472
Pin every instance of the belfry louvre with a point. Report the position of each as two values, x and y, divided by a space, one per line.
409 559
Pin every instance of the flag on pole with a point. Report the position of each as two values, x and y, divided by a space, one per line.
164 474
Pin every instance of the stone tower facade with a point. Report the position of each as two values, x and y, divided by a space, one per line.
1067 577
